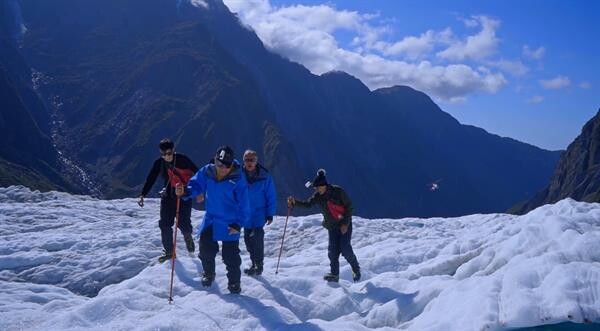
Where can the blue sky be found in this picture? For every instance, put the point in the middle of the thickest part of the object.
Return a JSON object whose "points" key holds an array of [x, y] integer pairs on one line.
{"points": [[522, 69]]}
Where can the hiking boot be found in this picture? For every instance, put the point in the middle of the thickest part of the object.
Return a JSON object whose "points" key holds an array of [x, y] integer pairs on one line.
{"points": [[356, 275], [259, 269], [251, 270], [207, 279], [234, 288], [165, 257], [189, 243], [332, 277]]}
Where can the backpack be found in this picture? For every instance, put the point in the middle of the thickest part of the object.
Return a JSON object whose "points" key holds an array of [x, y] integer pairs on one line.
{"points": [[179, 176], [335, 210]]}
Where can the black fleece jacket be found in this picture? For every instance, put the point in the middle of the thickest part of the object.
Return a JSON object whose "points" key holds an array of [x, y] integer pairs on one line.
{"points": [[338, 196]]}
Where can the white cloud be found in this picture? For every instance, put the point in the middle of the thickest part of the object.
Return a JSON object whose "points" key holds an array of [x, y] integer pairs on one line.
{"points": [[585, 85], [475, 47], [411, 47], [556, 83], [458, 100], [446, 82], [320, 17], [305, 34], [470, 22], [516, 68], [535, 99], [196, 3], [536, 54]]}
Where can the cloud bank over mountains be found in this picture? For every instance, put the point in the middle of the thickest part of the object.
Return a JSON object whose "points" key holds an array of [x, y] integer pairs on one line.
{"points": [[442, 63]]}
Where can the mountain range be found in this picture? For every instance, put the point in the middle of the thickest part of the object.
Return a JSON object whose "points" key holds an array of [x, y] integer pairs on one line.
{"points": [[96, 84]]}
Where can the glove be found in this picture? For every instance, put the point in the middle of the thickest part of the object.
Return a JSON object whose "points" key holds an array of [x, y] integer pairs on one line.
{"points": [[291, 202], [344, 228], [234, 228], [179, 190]]}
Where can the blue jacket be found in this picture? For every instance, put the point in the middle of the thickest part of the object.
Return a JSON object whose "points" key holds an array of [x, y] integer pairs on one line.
{"points": [[226, 200], [263, 199]]}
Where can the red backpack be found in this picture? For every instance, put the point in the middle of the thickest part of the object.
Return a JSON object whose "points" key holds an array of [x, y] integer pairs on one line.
{"points": [[337, 211], [182, 176]]}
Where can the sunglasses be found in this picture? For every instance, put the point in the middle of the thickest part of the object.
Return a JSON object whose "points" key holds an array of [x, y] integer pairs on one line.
{"points": [[250, 160], [220, 164], [167, 153]]}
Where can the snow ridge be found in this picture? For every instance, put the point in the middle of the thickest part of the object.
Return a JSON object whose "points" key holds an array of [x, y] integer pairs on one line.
{"points": [[75, 262]]}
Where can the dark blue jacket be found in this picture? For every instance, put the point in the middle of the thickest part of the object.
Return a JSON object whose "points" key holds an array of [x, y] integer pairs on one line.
{"points": [[226, 200], [263, 198]]}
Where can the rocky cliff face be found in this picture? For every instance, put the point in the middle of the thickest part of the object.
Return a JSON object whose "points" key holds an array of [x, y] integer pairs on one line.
{"points": [[577, 173]]}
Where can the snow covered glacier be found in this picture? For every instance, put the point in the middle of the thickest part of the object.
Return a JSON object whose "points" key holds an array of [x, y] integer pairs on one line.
{"points": [[78, 263]]}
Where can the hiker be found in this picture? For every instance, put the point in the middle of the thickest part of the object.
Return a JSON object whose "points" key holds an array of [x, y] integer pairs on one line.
{"points": [[336, 208], [223, 185], [174, 168], [263, 201]]}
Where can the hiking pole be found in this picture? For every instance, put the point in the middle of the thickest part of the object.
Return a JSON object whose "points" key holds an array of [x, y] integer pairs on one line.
{"points": [[282, 239], [174, 249]]}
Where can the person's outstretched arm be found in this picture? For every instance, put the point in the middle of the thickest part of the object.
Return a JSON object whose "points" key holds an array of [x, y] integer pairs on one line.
{"points": [[150, 180], [196, 186], [304, 203]]}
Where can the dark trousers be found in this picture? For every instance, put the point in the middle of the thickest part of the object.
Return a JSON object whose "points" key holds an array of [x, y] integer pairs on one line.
{"points": [[168, 209], [340, 244], [231, 255], [255, 243]]}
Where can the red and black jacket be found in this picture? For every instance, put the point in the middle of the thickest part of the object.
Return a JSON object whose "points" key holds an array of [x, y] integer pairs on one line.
{"points": [[180, 170]]}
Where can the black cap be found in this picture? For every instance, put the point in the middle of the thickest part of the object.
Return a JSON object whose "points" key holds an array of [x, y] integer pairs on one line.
{"points": [[320, 180], [224, 155], [166, 144]]}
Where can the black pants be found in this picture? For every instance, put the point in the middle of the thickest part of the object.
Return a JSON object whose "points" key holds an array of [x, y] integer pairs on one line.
{"points": [[231, 255], [255, 243], [168, 209], [340, 244]]}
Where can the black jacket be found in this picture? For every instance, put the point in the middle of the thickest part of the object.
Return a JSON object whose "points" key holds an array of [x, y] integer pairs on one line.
{"points": [[181, 165], [338, 196]]}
